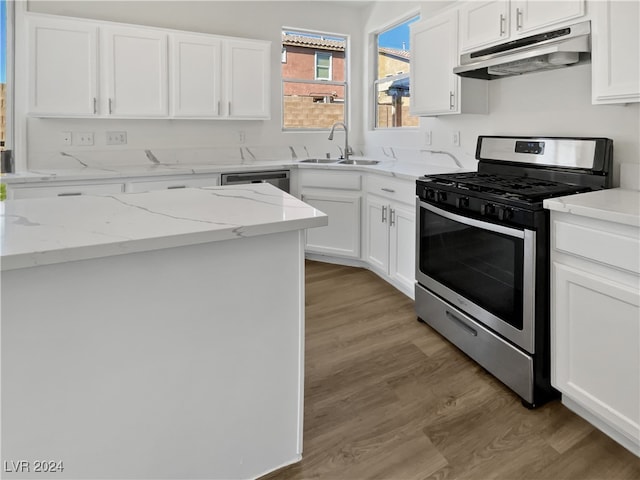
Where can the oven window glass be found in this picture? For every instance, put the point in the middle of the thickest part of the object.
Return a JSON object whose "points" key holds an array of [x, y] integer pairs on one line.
{"points": [[483, 266]]}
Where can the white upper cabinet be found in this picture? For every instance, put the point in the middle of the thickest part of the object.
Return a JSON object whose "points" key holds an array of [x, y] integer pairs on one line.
{"points": [[487, 23], [196, 75], [530, 15], [247, 72], [86, 68], [435, 89], [218, 77], [136, 76], [63, 67], [615, 56], [483, 23], [434, 46]]}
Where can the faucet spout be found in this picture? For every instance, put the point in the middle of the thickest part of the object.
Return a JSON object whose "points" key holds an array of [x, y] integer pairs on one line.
{"points": [[347, 148]]}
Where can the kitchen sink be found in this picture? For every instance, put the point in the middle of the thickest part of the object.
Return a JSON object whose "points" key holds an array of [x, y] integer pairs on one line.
{"points": [[359, 162], [319, 160]]}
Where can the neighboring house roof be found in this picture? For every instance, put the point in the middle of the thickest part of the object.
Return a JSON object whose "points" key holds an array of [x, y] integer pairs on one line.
{"points": [[395, 52], [312, 42]]}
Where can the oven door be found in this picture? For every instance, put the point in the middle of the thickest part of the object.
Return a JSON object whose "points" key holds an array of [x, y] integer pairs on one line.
{"points": [[484, 269]]}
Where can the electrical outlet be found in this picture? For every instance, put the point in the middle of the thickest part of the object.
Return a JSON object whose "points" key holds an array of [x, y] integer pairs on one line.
{"points": [[116, 138], [456, 138], [242, 136], [65, 138], [83, 138], [427, 137]]}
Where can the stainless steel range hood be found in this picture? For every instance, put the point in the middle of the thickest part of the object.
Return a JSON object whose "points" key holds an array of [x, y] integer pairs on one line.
{"points": [[554, 49]]}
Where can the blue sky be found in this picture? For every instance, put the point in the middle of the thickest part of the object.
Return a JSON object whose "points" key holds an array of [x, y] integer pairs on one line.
{"points": [[394, 38]]}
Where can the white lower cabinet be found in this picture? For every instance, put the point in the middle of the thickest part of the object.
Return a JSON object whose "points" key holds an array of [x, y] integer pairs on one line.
{"points": [[338, 194], [390, 230], [174, 183], [19, 192], [595, 323], [390, 241]]}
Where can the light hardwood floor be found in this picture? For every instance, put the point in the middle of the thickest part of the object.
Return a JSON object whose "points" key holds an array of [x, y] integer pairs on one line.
{"points": [[387, 398]]}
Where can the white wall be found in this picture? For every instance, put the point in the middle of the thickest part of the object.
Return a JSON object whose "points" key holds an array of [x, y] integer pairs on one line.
{"points": [[552, 103], [254, 19]]}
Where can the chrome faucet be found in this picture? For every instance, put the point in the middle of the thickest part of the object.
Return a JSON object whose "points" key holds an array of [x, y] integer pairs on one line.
{"points": [[347, 148]]}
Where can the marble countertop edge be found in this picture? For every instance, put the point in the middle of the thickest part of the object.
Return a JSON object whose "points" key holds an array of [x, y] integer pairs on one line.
{"points": [[616, 205], [62, 229]]}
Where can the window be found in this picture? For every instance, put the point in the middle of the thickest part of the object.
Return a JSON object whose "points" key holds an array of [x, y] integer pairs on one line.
{"points": [[314, 80], [323, 66], [391, 84]]}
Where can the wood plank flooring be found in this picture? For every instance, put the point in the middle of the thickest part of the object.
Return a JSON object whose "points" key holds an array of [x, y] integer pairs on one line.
{"points": [[387, 398]]}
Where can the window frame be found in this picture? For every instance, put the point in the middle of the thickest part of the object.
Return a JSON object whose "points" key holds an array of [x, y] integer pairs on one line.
{"points": [[344, 84], [412, 17]]}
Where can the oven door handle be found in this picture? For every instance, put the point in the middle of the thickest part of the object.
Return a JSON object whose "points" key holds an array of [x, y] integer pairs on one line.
{"points": [[512, 232]]}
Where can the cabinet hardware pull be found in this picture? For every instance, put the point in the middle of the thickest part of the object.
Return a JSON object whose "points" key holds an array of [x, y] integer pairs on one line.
{"points": [[218, 107], [171, 187], [392, 217], [95, 105], [503, 24], [518, 19], [390, 190], [384, 214], [463, 324], [229, 113], [69, 194], [451, 100], [110, 109]]}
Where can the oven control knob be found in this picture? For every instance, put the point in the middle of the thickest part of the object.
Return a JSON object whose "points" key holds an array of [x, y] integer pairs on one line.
{"points": [[487, 209], [431, 194], [505, 213], [462, 202], [442, 196]]}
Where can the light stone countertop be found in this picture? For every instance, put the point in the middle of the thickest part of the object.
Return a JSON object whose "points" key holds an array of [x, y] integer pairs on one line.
{"points": [[407, 170], [613, 205], [44, 231]]}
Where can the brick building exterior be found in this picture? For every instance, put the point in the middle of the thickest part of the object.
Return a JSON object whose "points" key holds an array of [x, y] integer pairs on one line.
{"points": [[312, 105]]}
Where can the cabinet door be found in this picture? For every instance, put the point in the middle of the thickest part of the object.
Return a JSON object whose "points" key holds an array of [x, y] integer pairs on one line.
{"points": [[615, 52], [528, 15], [63, 67], [402, 245], [196, 68], [377, 233], [65, 190], [175, 183], [434, 52], [595, 348], [483, 23], [136, 72], [342, 236], [247, 77]]}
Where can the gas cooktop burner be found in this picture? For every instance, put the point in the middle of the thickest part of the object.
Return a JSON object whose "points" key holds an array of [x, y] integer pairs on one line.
{"points": [[525, 189]]}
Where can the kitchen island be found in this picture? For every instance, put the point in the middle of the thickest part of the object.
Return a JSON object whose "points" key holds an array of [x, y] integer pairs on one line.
{"points": [[153, 335]]}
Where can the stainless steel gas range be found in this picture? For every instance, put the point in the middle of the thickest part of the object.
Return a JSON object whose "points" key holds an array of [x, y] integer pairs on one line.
{"points": [[482, 251]]}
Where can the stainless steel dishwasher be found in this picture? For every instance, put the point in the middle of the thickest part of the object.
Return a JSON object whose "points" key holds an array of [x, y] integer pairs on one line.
{"points": [[279, 178]]}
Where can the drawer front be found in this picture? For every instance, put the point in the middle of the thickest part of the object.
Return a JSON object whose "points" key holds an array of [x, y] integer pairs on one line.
{"points": [[66, 190], [333, 180], [174, 183], [392, 188], [610, 248]]}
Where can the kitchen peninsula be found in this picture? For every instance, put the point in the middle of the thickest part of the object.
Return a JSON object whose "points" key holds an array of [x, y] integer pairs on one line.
{"points": [[154, 335]]}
